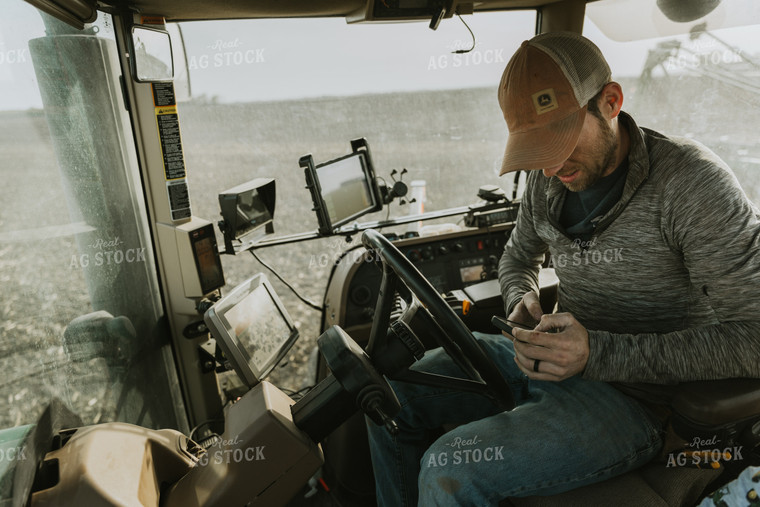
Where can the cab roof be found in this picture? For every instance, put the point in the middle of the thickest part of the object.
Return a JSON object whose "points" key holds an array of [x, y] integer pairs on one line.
{"points": [[79, 12], [185, 10]]}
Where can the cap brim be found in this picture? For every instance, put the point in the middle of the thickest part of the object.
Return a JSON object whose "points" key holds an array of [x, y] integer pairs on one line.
{"points": [[543, 147]]}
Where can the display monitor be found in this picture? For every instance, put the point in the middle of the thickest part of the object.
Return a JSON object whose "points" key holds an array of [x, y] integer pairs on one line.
{"points": [[343, 189], [207, 261], [253, 328], [247, 209], [346, 190]]}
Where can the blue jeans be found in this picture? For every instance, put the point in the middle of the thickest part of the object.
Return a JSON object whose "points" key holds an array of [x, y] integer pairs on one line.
{"points": [[561, 435]]}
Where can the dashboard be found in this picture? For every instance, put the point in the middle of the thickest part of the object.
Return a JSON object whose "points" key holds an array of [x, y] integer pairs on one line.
{"points": [[449, 261]]}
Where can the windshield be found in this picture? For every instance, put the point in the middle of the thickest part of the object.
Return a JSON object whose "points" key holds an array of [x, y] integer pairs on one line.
{"points": [[266, 92]]}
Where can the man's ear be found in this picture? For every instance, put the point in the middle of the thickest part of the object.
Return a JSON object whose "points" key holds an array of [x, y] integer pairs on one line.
{"points": [[611, 101]]}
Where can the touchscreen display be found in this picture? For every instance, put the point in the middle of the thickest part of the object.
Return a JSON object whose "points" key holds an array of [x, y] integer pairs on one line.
{"points": [[345, 189], [259, 327]]}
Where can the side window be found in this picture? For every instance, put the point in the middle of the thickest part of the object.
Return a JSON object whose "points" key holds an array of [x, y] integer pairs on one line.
{"points": [[702, 84], [80, 315]]}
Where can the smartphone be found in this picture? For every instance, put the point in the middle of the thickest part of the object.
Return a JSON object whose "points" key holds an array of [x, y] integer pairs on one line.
{"points": [[507, 325]]}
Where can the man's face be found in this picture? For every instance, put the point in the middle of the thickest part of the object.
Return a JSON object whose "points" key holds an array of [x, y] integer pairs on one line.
{"points": [[593, 157]]}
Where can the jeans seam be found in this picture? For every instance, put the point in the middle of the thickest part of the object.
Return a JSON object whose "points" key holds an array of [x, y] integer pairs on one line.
{"points": [[398, 455]]}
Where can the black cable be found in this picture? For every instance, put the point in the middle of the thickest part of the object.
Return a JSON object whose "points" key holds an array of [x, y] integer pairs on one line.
{"points": [[462, 51], [275, 273], [204, 423], [385, 183], [297, 395]]}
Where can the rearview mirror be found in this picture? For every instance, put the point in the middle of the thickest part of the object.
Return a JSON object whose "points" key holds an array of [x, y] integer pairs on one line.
{"points": [[151, 53]]}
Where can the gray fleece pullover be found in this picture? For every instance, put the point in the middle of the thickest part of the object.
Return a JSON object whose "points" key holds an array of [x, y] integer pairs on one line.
{"points": [[669, 285]]}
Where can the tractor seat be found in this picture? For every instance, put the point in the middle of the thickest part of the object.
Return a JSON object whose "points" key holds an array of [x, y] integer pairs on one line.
{"points": [[718, 402], [723, 413]]}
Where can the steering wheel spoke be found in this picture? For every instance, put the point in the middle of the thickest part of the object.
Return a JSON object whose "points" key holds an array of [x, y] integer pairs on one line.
{"points": [[424, 323], [435, 380], [381, 320]]}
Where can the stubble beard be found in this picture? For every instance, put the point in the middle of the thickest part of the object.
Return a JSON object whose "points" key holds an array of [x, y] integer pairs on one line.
{"points": [[604, 151]]}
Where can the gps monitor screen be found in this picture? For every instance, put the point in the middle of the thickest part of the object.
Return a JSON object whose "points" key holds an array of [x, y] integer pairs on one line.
{"points": [[253, 328], [346, 189]]}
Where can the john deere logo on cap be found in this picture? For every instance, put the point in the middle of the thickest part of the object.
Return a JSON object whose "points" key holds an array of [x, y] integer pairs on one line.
{"points": [[545, 101]]}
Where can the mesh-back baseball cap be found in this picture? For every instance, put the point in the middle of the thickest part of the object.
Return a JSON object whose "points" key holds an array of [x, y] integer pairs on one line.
{"points": [[543, 94]]}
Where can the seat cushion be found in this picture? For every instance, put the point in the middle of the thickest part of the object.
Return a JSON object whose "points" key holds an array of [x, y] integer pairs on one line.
{"points": [[654, 485]]}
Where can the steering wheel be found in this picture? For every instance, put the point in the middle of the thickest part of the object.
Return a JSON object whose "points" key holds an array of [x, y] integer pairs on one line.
{"points": [[454, 336]]}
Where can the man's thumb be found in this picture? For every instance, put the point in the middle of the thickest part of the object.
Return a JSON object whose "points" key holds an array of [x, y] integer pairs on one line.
{"points": [[533, 305]]}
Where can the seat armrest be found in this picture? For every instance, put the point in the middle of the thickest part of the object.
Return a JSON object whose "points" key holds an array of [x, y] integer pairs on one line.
{"points": [[717, 402]]}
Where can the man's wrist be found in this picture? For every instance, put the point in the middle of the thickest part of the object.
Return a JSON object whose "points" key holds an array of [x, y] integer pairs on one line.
{"points": [[510, 306], [588, 370]]}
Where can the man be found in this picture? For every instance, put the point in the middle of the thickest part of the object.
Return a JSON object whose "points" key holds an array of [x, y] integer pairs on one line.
{"points": [[656, 249]]}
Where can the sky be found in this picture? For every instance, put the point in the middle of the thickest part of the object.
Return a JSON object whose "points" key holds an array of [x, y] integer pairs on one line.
{"points": [[242, 61]]}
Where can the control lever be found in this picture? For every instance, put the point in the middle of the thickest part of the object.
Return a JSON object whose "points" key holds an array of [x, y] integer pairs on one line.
{"points": [[370, 400], [389, 423], [458, 302]]}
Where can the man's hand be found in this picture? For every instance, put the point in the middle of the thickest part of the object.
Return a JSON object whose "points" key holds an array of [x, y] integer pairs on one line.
{"points": [[528, 310], [555, 350]]}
